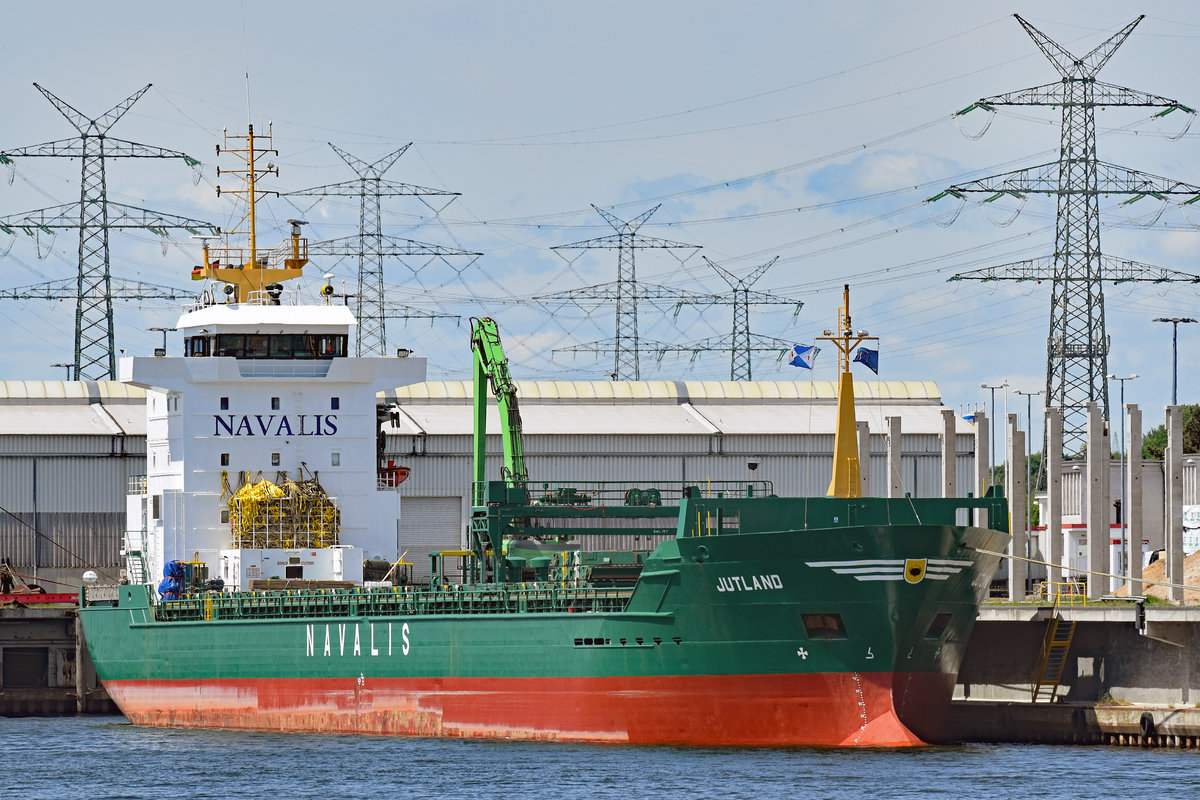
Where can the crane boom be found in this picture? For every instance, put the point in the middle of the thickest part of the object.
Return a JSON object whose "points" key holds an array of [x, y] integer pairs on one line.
{"points": [[492, 365]]}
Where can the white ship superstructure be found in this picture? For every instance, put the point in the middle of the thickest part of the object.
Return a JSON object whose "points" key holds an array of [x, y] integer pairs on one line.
{"points": [[265, 391]]}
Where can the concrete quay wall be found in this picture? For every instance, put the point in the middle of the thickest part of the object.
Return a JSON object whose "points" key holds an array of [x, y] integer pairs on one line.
{"points": [[1108, 659], [45, 668], [1119, 686]]}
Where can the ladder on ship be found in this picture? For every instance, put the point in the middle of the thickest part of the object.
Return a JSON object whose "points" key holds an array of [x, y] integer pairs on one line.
{"points": [[1052, 658], [135, 559], [135, 565]]}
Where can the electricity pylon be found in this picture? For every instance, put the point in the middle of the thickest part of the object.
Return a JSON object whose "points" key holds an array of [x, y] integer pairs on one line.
{"points": [[625, 347], [119, 289], [742, 342], [370, 245], [1077, 346], [95, 215]]}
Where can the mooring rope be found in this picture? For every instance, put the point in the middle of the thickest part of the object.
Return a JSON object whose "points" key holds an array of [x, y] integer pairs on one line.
{"points": [[1065, 570]]}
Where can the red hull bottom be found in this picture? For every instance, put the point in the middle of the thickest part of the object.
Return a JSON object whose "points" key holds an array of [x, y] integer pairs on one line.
{"points": [[850, 709]]}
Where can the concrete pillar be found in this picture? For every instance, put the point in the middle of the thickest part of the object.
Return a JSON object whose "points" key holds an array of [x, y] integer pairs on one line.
{"points": [[894, 458], [983, 458], [1099, 533], [1054, 507], [1131, 512], [949, 454], [1014, 479], [1174, 533], [864, 457], [983, 464]]}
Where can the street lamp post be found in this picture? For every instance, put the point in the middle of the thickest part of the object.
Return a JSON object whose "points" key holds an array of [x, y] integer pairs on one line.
{"points": [[1124, 537], [1174, 352], [68, 368], [992, 413]]}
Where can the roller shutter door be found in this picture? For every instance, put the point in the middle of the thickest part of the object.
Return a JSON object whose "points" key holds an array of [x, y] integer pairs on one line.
{"points": [[429, 524]]}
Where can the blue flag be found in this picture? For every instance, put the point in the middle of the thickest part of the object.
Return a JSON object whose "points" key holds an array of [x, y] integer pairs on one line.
{"points": [[969, 418], [804, 355], [869, 357]]}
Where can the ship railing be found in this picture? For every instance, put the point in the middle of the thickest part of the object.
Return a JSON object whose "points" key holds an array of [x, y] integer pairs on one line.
{"points": [[212, 295], [588, 494], [137, 484], [279, 257], [399, 601]]}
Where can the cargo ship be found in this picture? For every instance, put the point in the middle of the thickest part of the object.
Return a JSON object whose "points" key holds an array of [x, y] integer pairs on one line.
{"points": [[756, 620]]}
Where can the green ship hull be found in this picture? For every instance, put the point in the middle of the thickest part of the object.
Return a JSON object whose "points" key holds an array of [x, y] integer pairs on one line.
{"points": [[765, 621]]}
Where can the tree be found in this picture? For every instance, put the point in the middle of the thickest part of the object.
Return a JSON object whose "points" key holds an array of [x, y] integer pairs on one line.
{"points": [[1154, 442]]}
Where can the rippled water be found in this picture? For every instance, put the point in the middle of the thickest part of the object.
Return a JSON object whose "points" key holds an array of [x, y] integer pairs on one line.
{"points": [[105, 757]]}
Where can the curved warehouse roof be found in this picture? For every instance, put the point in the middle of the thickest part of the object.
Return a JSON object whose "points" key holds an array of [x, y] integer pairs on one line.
{"points": [[671, 407]]}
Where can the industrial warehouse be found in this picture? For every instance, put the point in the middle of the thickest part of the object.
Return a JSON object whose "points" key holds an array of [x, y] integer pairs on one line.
{"points": [[71, 452]]}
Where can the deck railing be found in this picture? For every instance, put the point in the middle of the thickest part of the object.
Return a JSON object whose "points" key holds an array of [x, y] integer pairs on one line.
{"points": [[395, 602]]}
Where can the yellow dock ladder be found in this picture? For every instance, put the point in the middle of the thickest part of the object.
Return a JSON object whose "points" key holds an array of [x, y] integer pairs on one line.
{"points": [[1053, 656]]}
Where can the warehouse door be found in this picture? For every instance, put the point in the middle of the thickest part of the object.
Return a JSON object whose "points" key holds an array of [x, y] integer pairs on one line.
{"points": [[427, 525]]}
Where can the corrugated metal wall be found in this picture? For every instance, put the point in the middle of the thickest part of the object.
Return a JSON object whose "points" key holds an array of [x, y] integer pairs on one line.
{"points": [[795, 464], [74, 541], [78, 497]]}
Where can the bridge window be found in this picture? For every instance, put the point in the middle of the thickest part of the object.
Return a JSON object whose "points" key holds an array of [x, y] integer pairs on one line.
{"points": [[257, 346], [267, 346]]}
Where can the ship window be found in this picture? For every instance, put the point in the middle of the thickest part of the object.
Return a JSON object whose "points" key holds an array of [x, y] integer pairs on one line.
{"points": [[335, 403], [824, 626], [274, 459], [200, 345], [281, 345], [290, 571], [257, 346], [230, 344], [335, 459], [224, 516], [224, 459], [156, 507], [274, 403], [224, 403], [938, 626]]}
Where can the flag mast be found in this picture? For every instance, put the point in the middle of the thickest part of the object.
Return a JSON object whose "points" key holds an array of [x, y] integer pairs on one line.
{"points": [[846, 479]]}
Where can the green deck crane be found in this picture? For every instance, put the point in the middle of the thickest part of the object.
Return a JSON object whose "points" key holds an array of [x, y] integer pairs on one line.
{"points": [[491, 365]]}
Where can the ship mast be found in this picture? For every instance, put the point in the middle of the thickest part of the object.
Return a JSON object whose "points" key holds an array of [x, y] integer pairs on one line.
{"points": [[248, 272], [846, 480]]}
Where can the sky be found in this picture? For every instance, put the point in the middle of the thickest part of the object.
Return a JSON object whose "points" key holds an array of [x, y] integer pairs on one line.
{"points": [[809, 132]]}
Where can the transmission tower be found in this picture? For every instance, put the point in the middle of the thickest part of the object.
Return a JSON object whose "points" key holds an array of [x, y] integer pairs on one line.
{"points": [[1077, 345], [625, 346], [741, 343], [94, 216], [370, 245], [119, 289]]}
